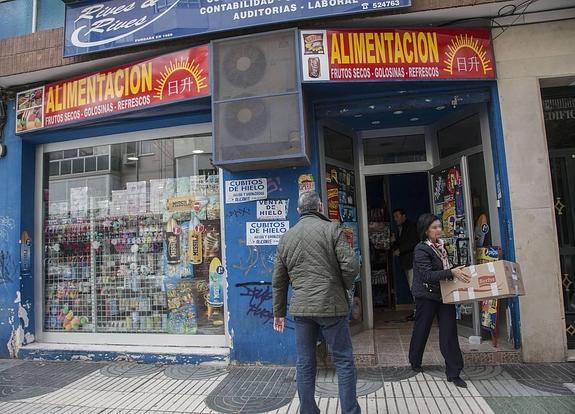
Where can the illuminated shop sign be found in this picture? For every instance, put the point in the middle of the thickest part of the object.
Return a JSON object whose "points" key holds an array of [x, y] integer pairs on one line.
{"points": [[94, 26], [396, 54], [177, 76]]}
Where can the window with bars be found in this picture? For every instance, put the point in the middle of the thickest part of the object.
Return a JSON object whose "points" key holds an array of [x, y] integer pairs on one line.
{"points": [[136, 250]]}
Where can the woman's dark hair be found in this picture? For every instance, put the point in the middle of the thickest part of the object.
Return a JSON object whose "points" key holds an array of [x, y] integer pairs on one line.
{"points": [[424, 223]]}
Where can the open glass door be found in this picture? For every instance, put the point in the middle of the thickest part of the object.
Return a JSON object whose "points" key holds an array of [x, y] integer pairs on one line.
{"points": [[450, 200], [340, 195]]}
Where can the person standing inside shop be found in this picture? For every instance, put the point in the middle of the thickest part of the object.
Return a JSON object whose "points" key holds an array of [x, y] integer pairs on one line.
{"points": [[405, 241], [431, 265], [316, 259]]}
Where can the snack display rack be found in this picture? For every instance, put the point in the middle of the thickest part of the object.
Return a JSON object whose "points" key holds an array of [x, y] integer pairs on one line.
{"points": [[115, 273]]}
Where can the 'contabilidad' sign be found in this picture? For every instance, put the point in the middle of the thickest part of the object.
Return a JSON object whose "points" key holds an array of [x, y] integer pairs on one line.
{"points": [[164, 79], [93, 26], [394, 54]]}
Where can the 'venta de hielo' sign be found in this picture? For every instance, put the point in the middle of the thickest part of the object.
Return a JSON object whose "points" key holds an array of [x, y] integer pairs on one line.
{"points": [[265, 232], [92, 26], [161, 80], [241, 191], [272, 209]]}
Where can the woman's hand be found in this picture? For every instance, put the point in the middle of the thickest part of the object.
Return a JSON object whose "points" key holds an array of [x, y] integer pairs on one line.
{"points": [[458, 273]]}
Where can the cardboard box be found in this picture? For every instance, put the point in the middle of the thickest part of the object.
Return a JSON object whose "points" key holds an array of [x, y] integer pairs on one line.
{"points": [[494, 280]]}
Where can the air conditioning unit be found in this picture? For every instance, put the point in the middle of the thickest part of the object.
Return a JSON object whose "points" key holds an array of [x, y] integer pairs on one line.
{"points": [[130, 159], [256, 65], [257, 102]]}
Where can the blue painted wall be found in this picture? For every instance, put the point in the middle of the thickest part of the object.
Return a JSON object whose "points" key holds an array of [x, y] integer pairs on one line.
{"points": [[16, 290], [250, 307]]}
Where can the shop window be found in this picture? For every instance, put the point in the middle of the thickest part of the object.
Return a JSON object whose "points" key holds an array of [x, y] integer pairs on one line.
{"points": [[84, 152], [56, 155], [90, 164], [54, 168], [71, 153], [66, 167], [338, 146], [137, 250], [459, 136], [78, 166], [147, 148], [15, 18], [103, 163], [51, 14], [394, 149]]}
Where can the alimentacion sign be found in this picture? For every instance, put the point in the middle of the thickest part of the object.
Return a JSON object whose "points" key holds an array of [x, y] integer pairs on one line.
{"points": [[395, 54], [93, 26], [164, 79]]}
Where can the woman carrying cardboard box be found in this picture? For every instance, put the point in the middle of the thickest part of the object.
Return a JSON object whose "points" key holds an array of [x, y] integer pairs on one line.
{"points": [[431, 264]]}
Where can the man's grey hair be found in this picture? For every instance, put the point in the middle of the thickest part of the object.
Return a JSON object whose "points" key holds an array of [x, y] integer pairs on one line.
{"points": [[308, 201]]}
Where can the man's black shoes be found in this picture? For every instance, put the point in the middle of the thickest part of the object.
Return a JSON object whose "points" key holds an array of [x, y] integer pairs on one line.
{"points": [[458, 382]]}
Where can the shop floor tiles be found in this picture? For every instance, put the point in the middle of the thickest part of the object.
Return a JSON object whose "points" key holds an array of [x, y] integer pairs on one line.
{"points": [[128, 388], [388, 344]]}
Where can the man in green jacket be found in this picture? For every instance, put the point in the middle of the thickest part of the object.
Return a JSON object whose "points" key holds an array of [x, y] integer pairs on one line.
{"points": [[316, 259]]}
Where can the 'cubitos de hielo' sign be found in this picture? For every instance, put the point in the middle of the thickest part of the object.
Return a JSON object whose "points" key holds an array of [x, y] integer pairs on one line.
{"points": [[92, 26]]}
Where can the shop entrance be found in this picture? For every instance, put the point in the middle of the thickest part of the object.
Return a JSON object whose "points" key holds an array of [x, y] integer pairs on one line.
{"points": [[415, 153]]}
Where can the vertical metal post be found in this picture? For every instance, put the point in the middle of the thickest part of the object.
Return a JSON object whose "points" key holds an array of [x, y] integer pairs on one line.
{"points": [[470, 234], [34, 16]]}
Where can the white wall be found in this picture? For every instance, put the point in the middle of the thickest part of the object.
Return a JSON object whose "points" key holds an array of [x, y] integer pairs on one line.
{"points": [[524, 55]]}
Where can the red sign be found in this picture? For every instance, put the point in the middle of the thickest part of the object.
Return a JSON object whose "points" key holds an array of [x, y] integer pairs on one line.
{"points": [[173, 77], [396, 54]]}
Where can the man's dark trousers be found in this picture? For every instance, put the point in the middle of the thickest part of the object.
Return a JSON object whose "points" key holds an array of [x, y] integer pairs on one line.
{"points": [[337, 335]]}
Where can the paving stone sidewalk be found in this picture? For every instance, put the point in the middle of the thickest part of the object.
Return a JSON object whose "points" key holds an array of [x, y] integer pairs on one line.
{"points": [[105, 388]]}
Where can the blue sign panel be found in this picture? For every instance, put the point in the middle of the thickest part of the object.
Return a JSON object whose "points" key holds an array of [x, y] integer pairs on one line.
{"points": [[94, 26]]}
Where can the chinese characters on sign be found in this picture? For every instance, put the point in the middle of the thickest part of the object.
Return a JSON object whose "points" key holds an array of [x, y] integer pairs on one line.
{"points": [[173, 77], [92, 26], [394, 54]]}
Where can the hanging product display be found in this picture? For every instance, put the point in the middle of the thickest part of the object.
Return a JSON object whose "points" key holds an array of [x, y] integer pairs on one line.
{"points": [[449, 206], [145, 259]]}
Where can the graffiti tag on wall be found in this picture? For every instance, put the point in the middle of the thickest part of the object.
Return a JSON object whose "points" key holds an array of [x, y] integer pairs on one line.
{"points": [[260, 297], [257, 258]]}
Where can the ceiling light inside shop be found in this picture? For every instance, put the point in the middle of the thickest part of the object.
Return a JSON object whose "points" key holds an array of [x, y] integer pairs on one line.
{"points": [[414, 119], [428, 100], [358, 115], [375, 122], [132, 158], [397, 112], [440, 108], [371, 106], [402, 92], [198, 151]]}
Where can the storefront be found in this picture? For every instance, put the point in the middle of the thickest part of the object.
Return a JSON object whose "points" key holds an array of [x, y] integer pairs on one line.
{"points": [[129, 247], [161, 187], [418, 146]]}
